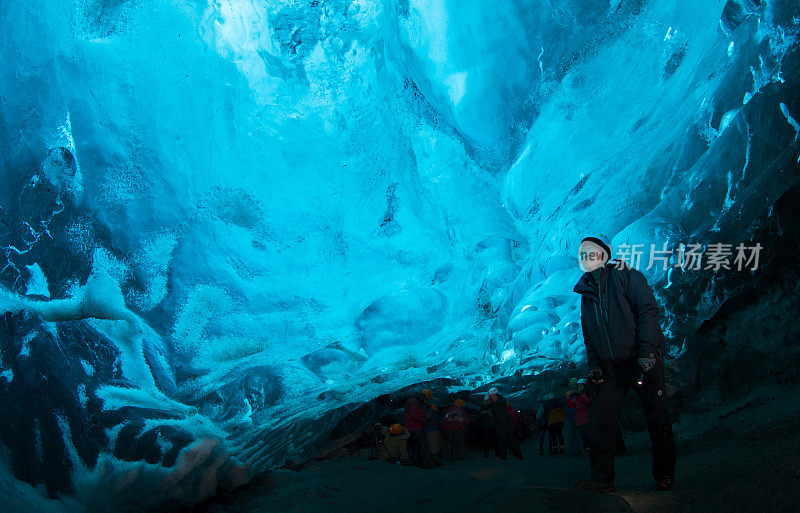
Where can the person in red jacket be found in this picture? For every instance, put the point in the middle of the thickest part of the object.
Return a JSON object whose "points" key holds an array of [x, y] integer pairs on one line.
{"points": [[516, 429], [415, 422], [581, 402]]}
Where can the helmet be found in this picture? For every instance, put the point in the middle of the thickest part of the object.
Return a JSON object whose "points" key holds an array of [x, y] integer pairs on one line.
{"points": [[493, 391], [582, 381], [427, 393], [460, 402], [395, 429]]}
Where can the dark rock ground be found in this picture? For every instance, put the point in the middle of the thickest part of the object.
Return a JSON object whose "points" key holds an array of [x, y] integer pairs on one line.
{"points": [[744, 457]]}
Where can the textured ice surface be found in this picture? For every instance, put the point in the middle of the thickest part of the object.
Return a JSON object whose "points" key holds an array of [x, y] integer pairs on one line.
{"points": [[224, 221]]}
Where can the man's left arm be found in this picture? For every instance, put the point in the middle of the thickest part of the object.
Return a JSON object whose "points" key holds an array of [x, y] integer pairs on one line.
{"points": [[645, 311]]}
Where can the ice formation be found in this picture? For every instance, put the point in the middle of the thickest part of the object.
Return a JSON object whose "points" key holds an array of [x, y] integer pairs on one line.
{"points": [[226, 224]]}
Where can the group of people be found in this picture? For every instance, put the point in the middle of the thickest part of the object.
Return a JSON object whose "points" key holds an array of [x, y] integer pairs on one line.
{"points": [[431, 435], [434, 434], [566, 422], [571, 412], [623, 339]]}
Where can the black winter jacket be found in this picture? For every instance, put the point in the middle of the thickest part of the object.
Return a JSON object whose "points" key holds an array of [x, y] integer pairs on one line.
{"points": [[499, 411], [619, 317]]}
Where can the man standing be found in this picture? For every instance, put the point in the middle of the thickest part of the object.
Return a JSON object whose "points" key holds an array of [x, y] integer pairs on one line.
{"points": [[505, 439], [619, 318]]}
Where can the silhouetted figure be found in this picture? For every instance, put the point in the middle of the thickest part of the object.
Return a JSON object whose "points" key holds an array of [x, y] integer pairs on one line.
{"points": [[571, 436], [392, 442], [496, 404], [433, 433], [454, 428], [555, 426], [487, 432], [581, 402], [541, 426], [415, 422]]}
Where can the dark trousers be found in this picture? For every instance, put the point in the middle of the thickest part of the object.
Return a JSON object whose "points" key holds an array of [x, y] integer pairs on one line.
{"points": [[556, 430], [542, 434], [584, 429], [603, 424], [455, 444], [487, 438], [506, 439], [418, 447]]}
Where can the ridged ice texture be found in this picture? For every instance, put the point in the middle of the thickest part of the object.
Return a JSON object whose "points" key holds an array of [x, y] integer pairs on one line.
{"points": [[224, 221]]}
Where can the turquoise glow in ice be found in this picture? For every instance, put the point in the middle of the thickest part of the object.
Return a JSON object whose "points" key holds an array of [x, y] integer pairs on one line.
{"points": [[289, 207]]}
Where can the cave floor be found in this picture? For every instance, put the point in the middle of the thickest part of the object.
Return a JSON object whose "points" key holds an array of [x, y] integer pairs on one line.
{"points": [[743, 460]]}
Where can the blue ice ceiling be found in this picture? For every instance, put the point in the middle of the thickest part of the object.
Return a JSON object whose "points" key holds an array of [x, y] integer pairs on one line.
{"points": [[224, 220]]}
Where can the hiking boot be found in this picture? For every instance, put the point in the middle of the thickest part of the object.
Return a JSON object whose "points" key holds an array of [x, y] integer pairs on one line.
{"points": [[594, 486], [665, 484]]}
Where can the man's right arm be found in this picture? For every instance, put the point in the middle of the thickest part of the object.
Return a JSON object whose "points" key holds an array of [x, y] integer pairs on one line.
{"points": [[592, 358]]}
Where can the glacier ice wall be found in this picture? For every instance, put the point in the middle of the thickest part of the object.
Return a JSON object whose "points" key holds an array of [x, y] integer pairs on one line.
{"points": [[225, 221]]}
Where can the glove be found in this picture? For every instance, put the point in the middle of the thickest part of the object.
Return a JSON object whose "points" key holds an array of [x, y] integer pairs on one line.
{"points": [[596, 375], [647, 362]]}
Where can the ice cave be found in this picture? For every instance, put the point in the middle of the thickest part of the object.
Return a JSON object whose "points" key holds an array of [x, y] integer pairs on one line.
{"points": [[239, 235]]}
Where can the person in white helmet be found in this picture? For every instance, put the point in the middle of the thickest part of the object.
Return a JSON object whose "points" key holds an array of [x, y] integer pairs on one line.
{"points": [[623, 338]]}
